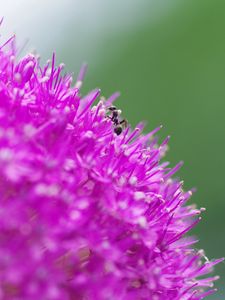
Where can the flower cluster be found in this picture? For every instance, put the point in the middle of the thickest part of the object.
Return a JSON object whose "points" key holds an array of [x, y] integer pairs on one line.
{"points": [[85, 213]]}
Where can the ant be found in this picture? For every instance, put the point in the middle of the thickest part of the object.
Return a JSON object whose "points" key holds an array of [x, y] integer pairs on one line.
{"points": [[114, 117]]}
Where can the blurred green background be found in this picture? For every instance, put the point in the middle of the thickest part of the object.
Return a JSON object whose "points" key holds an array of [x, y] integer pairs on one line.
{"points": [[167, 58]]}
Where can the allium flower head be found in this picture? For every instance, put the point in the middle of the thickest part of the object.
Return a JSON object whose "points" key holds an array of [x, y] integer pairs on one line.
{"points": [[85, 213]]}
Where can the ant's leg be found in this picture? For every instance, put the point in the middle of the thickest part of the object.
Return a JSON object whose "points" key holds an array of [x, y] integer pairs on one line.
{"points": [[124, 121]]}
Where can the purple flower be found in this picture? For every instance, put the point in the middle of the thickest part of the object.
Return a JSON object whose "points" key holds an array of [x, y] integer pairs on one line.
{"points": [[86, 213]]}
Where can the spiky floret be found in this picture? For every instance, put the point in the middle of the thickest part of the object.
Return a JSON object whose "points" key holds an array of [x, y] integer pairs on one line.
{"points": [[84, 213]]}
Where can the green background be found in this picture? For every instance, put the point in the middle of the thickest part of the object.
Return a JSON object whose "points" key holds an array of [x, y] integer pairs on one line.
{"points": [[167, 58]]}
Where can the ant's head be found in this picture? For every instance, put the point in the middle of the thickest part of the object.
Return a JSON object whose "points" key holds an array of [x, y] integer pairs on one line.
{"points": [[112, 108]]}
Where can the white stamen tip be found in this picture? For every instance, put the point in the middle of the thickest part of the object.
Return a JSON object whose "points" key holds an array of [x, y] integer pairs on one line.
{"points": [[133, 180], [139, 195], [142, 221], [78, 84]]}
